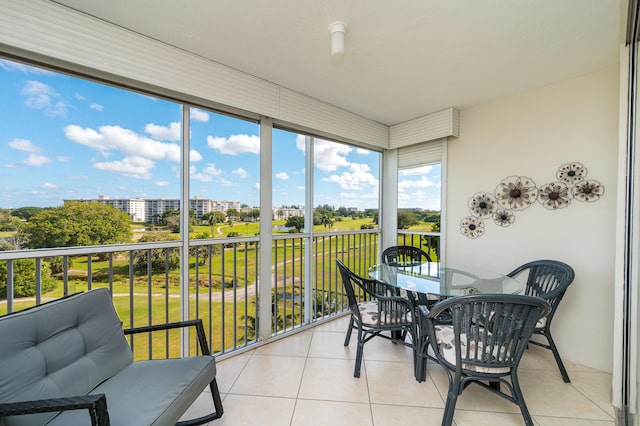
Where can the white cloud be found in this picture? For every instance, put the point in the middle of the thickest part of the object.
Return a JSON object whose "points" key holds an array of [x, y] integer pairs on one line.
{"points": [[134, 166], [300, 142], [43, 97], [63, 158], [207, 174], [24, 145], [423, 182], [355, 179], [194, 156], [36, 160], [225, 182], [282, 176], [257, 186], [96, 107], [235, 144], [170, 133], [201, 176], [212, 170], [115, 138], [423, 170], [328, 156], [240, 172], [363, 151], [48, 185], [80, 97], [301, 188], [199, 115], [162, 183]]}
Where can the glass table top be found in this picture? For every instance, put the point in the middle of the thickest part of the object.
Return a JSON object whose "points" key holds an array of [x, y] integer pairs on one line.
{"points": [[445, 280]]}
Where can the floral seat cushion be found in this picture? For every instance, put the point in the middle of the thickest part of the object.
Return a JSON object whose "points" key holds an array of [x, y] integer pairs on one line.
{"points": [[371, 315], [446, 345]]}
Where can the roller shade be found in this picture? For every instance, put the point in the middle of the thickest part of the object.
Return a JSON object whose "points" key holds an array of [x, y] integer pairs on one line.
{"points": [[420, 154]]}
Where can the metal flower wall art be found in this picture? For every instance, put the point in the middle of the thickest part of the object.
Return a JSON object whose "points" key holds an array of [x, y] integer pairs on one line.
{"points": [[517, 193], [472, 227], [504, 217], [554, 195], [589, 190], [482, 204]]}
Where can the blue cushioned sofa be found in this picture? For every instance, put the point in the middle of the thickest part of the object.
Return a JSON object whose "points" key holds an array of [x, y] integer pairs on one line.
{"points": [[68, 363]]}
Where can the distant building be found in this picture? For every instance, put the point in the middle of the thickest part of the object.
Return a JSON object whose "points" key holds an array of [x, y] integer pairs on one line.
{"points": [[155, 208], [134, 207], [150, 210], [285, 213]]}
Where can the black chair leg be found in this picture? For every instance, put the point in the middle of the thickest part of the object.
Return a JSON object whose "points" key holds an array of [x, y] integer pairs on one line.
{"points": [[520, 399], [348, 336], [420, 356], [356, 371], [556, 355], [450, 407]]}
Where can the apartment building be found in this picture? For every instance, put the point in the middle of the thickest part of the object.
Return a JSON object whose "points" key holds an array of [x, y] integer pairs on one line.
{"points": [[150, 210]]}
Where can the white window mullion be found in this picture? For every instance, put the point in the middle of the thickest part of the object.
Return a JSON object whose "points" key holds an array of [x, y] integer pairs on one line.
{"points": [[264, 293]]}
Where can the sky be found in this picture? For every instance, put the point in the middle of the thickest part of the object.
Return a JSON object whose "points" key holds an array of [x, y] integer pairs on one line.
{"points": [[65, 138]]}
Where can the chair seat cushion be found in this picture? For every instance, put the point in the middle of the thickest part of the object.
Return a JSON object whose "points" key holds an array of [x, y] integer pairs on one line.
{"points": [[446, 345], [155, 392], [371, 315]]}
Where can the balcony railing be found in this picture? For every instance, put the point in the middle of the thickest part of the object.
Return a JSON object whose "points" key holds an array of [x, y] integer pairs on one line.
{"points": [[223, 283]]}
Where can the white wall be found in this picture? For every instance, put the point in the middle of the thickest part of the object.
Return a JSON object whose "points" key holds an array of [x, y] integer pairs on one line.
{"points": [[531, 134]]}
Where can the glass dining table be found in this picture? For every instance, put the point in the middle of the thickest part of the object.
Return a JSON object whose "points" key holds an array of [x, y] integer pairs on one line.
{"points": [[439, 279], [427, 283]]}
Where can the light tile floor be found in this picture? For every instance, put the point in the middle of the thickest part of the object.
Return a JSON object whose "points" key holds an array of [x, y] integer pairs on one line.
{"points": [[307, 379]]}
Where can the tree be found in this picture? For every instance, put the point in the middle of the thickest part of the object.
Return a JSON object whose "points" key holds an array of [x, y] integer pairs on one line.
{"points": [[296, 222], [326, 220], [24, 278], [233, 214], [254, 214], [8, 222], [343, 211], [77, 224], [406, 219], [158, 256], [25, 213], [213, 218]]}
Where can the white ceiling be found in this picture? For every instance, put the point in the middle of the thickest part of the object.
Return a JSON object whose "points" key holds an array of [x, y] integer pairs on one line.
{"points": [[403, 58]]}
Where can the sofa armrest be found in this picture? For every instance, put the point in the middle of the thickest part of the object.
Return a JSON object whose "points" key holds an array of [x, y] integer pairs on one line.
{"points": [[197, 323], [96, 404]]}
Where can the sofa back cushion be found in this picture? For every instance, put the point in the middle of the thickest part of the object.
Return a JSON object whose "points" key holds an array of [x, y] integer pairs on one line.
{"points": [[62, 348]]}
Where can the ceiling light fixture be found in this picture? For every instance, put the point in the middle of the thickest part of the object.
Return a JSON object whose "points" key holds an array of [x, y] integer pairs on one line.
{"points": [[337, 30]]}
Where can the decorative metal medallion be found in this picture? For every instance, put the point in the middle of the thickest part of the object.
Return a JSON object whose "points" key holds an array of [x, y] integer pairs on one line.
{"points": [[516, 192], [482, 204], [589, 190], [503, 217], [472, 227], [555, 195], [571, 173]]}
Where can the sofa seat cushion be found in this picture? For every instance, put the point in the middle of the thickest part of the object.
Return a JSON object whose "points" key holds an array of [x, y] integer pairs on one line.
{"points": [[155, 392], [61, 348]]}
